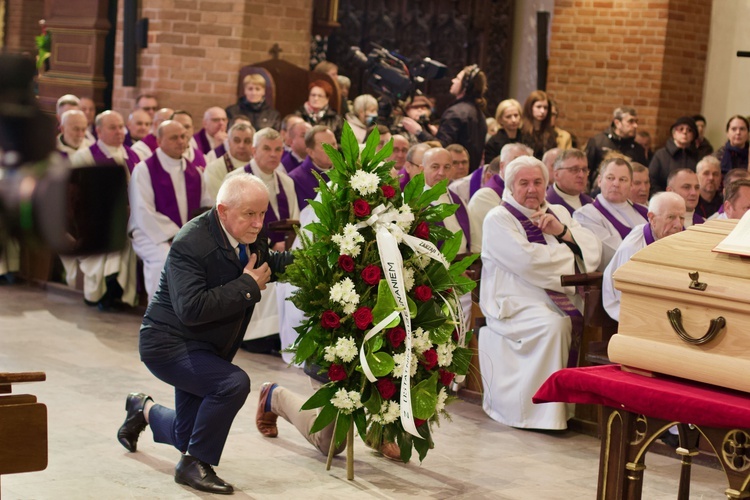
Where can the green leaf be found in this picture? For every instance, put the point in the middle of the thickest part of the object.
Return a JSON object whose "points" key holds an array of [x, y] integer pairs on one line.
{"points": [[412, 307], [320, 398], [343, 422], [461, 360], [381, 363], [458, 268], [374, 402], [384, 153], [442, 334], [433, 194], [462, 284], [377, 342], [360, 421], [349, 146], [318, 229], [326, 416], [452, 245], [429, 315], [404, 440], [423, 445], [437, 213], [336, 159], [414, 188], [370, 146], [385, 305], [424, 397], [305, 348]]}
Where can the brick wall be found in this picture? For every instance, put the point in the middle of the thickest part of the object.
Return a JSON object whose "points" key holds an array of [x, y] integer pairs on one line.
{"points": [[647, 54], [196, 48], [22, 24]]}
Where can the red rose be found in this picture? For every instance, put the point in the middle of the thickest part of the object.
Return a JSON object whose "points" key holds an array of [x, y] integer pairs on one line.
{"points": [[329, 319], [362, 317], [396, 336], [422, 231], [361, 208], [430, 359], [336, 373], [346, 263], [446, 377], [388, 191], [371, 274], [418, 422], [423, 293], [386, 388]]}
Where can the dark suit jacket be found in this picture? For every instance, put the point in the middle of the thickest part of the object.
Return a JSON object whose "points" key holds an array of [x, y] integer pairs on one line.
{"points": [[204, 300]]}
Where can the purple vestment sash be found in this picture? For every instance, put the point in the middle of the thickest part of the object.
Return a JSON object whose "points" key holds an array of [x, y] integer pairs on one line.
{"points": [[561, 300], [403, 178], [698, 218], [220, 150], [619, 226], [201, 139], [128, 140], [554, 198], [100, 158], [289, 161], [199, 161], [647, 234], [282, 202], [150, 141], [228, 162], [165, 199], [475, 182], [462, 216], [497, 184], [305, 182]]}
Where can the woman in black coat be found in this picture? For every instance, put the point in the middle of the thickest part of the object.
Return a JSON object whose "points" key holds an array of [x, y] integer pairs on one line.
{"points": [[254, 105], [734, 153]]}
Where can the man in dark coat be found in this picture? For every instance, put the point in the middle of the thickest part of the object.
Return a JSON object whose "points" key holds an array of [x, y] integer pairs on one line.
{"points": [[677, 153], [217, 265], [620, 138]]}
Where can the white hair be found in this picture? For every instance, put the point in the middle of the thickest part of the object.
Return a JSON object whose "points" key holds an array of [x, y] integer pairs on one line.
{"points": [[511, 170], [236, 186], [708, 161], [362, 102], [513, 149], [267, 133], [660, 202], [67, 99], [71, 112]]}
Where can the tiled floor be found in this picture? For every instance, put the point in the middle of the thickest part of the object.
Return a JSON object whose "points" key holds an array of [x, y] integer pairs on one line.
{"points": [[91, 361]]}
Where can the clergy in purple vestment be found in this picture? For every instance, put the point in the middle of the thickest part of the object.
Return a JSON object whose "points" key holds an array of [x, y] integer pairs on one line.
{"points": [[73, 136], [400, 149], [684, 182], [139, 125], [214, 130], [296, 152], [317, 160], [413, 163], [569, 172], [148, 144], [193, 155]]}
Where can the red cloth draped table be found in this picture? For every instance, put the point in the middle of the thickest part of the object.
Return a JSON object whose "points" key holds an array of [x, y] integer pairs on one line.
{"points": [[637, 409]]}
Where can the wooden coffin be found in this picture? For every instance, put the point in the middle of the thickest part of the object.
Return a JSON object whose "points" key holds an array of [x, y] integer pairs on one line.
{"points": [[714, 346]]}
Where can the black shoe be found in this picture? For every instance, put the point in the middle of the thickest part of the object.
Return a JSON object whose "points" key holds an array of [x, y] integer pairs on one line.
{"points": [[135, 422], [671, 440], [201, 476]]}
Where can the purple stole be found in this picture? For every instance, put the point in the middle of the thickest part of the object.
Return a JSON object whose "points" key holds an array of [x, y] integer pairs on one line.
{"points": [[199, 161], [497, 184], [202, 140], [150, 141], [403, 178], [289, 161], [619, 226], [128, 140], [220, 150], [475, 182], [647, 234], [698, 218], [100, 158], [282, 201], [561, 300], [165, 199], [556, 199], [462, 216], [305, 182]]}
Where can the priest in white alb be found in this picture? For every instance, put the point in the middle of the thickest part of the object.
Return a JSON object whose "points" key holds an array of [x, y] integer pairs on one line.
{"points": [[533, 322]]}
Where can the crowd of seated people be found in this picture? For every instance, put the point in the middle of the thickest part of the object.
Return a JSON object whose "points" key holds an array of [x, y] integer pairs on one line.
{"points": [[531, 220]]}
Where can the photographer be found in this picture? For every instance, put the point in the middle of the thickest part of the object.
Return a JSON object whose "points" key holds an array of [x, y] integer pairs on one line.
{"points": [[463, 122]]}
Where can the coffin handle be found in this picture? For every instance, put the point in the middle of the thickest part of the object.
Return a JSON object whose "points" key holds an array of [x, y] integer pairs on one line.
{"points": [[675, 319]]}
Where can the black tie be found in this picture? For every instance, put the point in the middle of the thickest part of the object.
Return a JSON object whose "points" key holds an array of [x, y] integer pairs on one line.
{"points": [[243, 254]]}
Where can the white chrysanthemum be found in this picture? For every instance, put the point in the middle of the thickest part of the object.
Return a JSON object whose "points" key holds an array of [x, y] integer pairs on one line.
{"points": [[422, 260], [346, 349], [441, 398], [408, 278], [350, 308], [342, 401], [421, 341], [330, 354], [349, 240], [400, 359], [364, 182], [445, 353], [407, 218], [389, 413], [343, 292]]}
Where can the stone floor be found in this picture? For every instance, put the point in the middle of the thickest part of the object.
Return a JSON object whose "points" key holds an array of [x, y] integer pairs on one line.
{"points": [[91, 361]]}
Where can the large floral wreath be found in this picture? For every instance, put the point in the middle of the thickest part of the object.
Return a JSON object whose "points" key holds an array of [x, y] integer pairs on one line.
{"points": [[383, 321]]}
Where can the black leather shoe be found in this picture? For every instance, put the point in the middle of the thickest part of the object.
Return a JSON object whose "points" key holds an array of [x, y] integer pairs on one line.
{"points": [[135, 422], [201, 476]]}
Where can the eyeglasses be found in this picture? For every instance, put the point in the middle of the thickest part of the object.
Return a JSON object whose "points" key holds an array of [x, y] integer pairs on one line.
{"points": [[575, 170], [149, 108]]}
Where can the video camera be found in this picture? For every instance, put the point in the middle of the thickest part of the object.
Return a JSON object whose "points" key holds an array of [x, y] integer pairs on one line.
{"points": [[75, 211], [394, 76]]}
